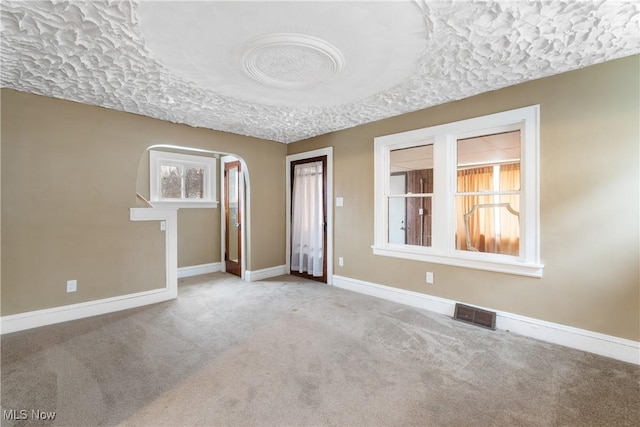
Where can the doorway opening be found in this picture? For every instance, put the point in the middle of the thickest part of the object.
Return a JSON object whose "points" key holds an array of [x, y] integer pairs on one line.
{"points": [[201, 241], [234, 210], [233, 217], [310, 215]]}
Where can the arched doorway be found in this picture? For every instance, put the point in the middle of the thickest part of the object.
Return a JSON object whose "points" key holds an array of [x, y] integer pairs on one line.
{"points": [[202, 227]]}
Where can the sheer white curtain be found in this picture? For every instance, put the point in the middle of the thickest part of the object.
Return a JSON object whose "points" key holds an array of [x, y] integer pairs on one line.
{"points": [[307, 237]]}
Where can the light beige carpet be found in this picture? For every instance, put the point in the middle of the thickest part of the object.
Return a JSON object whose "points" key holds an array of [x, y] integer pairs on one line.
{"points": [[290, 352]]}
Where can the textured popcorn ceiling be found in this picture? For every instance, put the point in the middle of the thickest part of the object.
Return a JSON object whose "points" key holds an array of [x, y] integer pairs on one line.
{"points": [[286, 71]]}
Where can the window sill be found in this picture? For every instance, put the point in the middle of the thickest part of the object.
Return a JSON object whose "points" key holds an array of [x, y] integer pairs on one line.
{"points": [[517, 268], [183, 204]]}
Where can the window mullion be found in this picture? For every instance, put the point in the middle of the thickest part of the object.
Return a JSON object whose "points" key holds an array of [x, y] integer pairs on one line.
{"points": [[441, 188]]}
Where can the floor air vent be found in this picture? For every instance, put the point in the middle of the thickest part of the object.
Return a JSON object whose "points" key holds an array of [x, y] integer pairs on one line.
{"points": [[475, 316]]}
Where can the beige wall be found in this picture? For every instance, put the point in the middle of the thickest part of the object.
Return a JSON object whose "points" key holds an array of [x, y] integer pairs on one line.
{"points": [[589, 203], [69, 174], [198, 229], [198, 236]]}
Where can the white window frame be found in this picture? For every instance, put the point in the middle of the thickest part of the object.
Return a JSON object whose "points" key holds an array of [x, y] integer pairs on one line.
{"points": [[444, 139], [157, 159]]}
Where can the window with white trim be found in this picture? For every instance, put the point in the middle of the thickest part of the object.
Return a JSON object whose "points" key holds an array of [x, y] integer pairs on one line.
{"points": [[182, 180], [462, 193]]}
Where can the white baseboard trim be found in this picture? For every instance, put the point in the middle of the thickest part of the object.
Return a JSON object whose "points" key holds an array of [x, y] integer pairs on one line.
{"points": [[50, 316], [197, 270], [414, 299], [265, 273], [580, 339]]}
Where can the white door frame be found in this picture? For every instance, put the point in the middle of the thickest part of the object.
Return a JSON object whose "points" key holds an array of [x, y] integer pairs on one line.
{"points": [[302, 156], [243, 210]]}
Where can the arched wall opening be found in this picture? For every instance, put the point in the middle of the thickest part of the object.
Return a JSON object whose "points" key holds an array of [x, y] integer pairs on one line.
{"points": [[200, 230]]}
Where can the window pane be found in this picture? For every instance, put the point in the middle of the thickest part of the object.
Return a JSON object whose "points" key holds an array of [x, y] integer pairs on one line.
{"points": [[171, 182], [397, 220], [232, 204], [416, 165], [510, 177], [410, 220], [233, 186], [475, 179], [478, 155], [194, 183], [488, 224]]}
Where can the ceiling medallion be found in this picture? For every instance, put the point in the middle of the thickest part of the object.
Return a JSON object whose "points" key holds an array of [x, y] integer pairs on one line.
{"points": [[292, 61]]}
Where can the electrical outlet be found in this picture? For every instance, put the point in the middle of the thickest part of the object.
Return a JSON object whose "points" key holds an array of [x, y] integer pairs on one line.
{"points": [[341, 261], [72, 285], [429, 277]]}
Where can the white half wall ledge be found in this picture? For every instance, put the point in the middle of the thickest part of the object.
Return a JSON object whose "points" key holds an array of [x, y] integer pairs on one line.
{"points": [[197, 270], [265, 273], [580, 339]]}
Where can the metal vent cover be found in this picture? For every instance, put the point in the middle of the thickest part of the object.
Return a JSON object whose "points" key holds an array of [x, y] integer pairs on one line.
{"points": [[475, 316]]}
